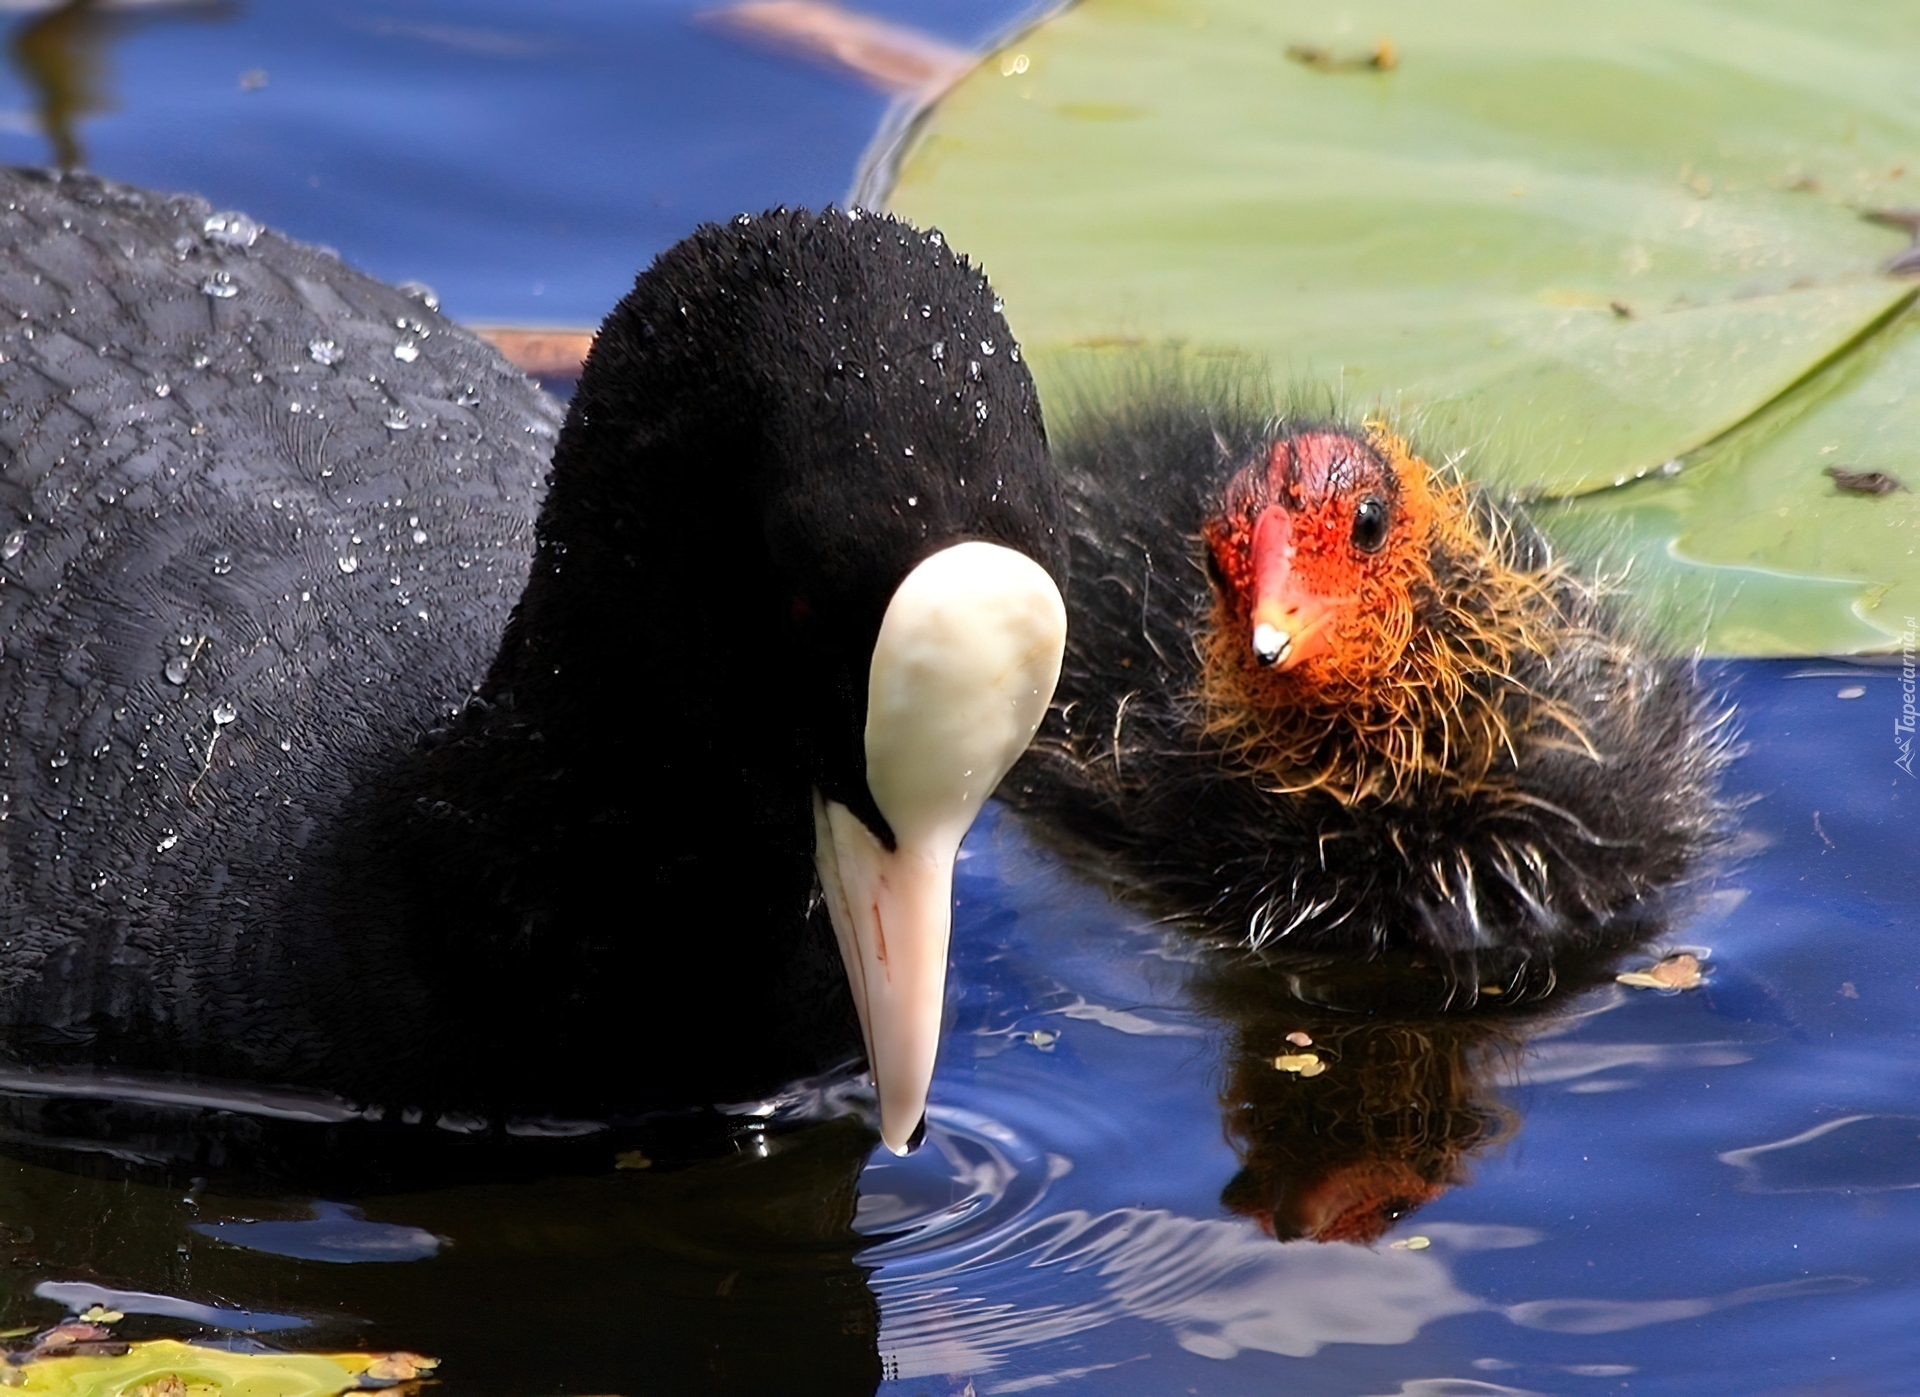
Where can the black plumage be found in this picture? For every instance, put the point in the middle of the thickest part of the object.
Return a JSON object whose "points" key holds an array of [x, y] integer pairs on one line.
{"points": [[1594, 796], [281, 804]]}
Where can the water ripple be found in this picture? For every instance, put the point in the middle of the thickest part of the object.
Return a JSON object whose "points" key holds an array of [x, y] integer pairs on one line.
{"points": [[1220, 1286], [972, 1180]]}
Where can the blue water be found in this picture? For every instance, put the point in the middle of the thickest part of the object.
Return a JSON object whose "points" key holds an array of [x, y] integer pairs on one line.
{"points": [[523, 160], [1635, 1233], [1715, 1191]]}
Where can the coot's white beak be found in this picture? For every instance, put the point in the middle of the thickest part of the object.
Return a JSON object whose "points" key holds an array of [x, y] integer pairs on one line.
{"points": [[968, 655]]}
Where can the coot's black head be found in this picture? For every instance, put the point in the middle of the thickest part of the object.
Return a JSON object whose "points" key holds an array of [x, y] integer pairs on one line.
{"points": [[790, 417], [789, 412]]}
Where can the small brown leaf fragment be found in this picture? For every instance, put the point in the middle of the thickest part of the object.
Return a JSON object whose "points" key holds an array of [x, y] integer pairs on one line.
{"points": [[71, 1332], [400, 1366], [1621, 309], [1679, 971], [172, 1385], [1384, 59], [1852, 482], [632, 1159], [71, 1339]]}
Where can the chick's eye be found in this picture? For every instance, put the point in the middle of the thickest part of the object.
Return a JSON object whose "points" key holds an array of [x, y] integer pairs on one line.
{"points": [[1370, 524]]}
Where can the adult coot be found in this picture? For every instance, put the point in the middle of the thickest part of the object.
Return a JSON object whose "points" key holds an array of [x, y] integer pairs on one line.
{"points": [[1319, 692], [345, 748]]}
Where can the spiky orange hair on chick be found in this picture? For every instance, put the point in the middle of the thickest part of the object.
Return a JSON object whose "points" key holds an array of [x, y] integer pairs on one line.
{"points": [[1407, 677]]}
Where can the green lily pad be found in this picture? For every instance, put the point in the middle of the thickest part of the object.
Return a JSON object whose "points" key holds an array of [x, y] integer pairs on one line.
{"points": [[1757, 518], [1582, 242]]}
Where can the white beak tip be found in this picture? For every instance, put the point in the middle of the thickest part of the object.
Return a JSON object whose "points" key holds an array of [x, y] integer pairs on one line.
{"points": [[1270, 644], [915, 1138]]}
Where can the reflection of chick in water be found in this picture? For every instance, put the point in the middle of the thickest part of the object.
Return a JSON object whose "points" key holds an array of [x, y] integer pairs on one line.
{"points": [[1354, 1096]]}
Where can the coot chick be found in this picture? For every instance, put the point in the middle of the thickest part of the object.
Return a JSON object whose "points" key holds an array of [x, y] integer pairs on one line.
{"points": [[1321, 693], [347, 750]]}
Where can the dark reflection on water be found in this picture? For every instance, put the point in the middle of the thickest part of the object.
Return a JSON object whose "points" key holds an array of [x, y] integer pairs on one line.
{"points": [[1704, 1192], [700, 1279]]}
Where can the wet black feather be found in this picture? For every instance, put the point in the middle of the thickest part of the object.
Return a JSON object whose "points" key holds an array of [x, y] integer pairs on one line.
{"points": [[279, 804]]}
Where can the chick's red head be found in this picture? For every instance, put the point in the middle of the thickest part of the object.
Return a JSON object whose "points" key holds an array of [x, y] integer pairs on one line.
{"points": [[1319, 552]]}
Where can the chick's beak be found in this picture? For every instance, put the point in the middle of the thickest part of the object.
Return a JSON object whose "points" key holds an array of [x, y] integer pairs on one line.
{"points": [[967, 658], [1288, 619]]}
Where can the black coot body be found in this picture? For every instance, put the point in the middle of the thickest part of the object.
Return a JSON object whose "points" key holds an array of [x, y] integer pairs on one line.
{"points": [[280, 803], [1596, 801]]}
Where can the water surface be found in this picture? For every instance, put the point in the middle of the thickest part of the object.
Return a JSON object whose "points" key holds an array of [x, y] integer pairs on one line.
{"points": [[1716, 1191]]}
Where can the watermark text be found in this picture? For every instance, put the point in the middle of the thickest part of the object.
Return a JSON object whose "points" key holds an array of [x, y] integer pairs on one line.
{"points": [[1903, 724]]}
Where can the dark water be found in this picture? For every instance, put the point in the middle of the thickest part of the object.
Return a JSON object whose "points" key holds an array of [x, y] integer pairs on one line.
{"points": [[1716, 1191]]}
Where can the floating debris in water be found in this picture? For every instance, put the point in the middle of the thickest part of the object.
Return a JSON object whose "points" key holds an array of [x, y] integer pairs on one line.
{"points": [[1300, 1039], [1305, 1064], [400, 1366], [81, 1358], [1410, 1244], [74, 1338], [1679, 971]]}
